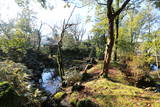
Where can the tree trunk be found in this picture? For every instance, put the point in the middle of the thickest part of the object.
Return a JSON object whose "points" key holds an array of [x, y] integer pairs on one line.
{"points": [[117, 32], [39, 41], [117, 35], [109, 47], [111, 14], [60, 56], [156, 55], [60, 61]]}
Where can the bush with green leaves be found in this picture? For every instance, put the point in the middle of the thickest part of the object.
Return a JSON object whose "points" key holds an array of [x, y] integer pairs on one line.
{"points": [[85, 48], [72, 77], [99, 41], [16, 46], [17, 76], [137, 71], [69, 42]]}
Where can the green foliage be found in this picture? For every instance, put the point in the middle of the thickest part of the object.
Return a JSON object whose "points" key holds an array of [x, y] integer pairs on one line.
{"points": [[125, 48], [109, 94], [150, 47], [7, 28], [15, 47], [85, 45], [72, 77], [58, 96], [82, 51], [69, 42], [101, 26], [46, 50], [86, 103], [19, 41], [73, 98], [138, 61], [4, 88], [137, 71], [8, 97], [99, 42], [129, 33], [17, 76], [99, 30], [24, 24], [157, 3], [151, 41]]}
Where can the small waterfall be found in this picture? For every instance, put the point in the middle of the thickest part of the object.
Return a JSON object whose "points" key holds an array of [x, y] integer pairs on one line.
{"points": [[50, 81]]}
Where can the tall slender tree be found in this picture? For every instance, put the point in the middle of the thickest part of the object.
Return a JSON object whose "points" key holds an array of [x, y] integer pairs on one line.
{"points": [[111, 14], [117, 31]]}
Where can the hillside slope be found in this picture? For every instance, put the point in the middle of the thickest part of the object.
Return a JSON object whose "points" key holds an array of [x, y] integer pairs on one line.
{"points": [[106, 93]]}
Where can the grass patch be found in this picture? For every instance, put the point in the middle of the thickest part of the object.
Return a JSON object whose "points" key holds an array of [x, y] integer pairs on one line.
{"points": [[118, 76], [115, 74], [99, 66], [109, 94]]}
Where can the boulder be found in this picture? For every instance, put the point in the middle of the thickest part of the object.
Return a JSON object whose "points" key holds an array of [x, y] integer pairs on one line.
{"points": [[59, 96], [86, 103], [77, 87]]}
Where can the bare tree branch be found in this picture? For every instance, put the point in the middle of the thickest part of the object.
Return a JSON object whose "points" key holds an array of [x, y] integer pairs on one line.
{"points": [[40, 27], [59, 53], [79, 6], [122, 7], [70, 16], [101, 3]]}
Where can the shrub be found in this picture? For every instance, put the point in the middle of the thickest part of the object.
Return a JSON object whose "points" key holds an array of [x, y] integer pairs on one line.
{"points": [[59, 96], [15, 47], [8, 98], [36, 60], [4, 88], [137, 71], [17, 76], [72, 77], [99, 41], [69, 42]]}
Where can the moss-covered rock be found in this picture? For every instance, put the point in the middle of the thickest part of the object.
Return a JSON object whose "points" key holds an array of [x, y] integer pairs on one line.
{"points": [[77, 87], [86, 103], [73, 99], [4, 88], [59, 96], [72, 77], [8, 98], [86, 76]]}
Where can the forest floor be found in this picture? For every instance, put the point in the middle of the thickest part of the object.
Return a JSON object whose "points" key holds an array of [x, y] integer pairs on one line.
{"points": [[106, 93]]}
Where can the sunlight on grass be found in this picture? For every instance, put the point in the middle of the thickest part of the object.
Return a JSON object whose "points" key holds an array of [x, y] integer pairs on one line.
{"points": [[109, 94], [99, 66]]}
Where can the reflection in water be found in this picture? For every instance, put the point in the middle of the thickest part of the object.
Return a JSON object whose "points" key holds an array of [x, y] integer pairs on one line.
{"points": [[50, 82], [154, 67]]}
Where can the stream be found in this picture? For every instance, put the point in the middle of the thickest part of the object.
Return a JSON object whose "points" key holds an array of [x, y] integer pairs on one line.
{"points": [[50, 82]]}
